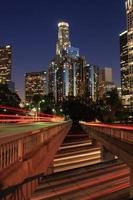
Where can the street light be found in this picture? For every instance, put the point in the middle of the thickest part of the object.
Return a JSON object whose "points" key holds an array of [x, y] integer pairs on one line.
{"points": [[54, 111]]}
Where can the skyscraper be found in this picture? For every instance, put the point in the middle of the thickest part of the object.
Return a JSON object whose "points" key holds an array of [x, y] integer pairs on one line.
{"points": [[91, 81], [52, 86], [63, 38], [35, 83], [105, 81], [5, 63], [129, 13], [65, 71], [125, 75]]}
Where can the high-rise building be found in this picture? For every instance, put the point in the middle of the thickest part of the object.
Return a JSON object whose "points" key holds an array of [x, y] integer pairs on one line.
{"points": [[105, 81], [69, 78], [5, 63], [66, 77], [105, 74], [129, 13], [125, 75], [91, 81], [52, 84], [97, 81], [63, 38], [65, 71], [35, 83]]}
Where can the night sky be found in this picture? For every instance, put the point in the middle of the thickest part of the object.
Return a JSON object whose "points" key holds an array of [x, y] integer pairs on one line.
{"points": [[30, 26]]}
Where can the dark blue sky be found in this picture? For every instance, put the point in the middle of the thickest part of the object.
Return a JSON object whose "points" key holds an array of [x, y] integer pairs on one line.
{"points": [[30, 26]]}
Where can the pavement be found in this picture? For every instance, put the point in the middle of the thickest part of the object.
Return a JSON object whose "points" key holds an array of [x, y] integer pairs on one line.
{"points": [[14, 129]]}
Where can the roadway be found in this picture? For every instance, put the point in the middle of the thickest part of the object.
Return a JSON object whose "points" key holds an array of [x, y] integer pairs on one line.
{"points": [[108, 181], [79, 174], [15, 129]]}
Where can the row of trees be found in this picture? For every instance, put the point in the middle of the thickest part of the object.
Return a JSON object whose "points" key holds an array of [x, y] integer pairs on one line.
{"points": [[107, 109]]}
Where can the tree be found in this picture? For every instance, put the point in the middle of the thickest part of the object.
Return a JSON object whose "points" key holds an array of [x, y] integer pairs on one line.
{"points": [[36, 101], [8, 98], [109, 106], [47, 103], [78, 110]]}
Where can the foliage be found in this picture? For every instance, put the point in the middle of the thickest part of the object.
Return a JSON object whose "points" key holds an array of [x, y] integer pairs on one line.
{"points": [[78, 109], [8, 98], [110, 108], [36, 99], [107, 109]]}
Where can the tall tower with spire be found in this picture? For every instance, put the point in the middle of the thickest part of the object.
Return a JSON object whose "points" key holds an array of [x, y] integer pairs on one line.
{"points": [[63, 38]]}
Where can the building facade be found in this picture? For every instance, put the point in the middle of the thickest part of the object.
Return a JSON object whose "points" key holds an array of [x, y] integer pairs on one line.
{"points": [[129, 14], [91, 81], [63, 38], [105, 81], [5, 63], [35, 83], [66, 77], [65, 71], [97, 81], [125, 75]]}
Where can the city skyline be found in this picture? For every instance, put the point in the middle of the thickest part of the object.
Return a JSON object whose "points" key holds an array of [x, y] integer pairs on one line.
{"points": [[34, 50]]}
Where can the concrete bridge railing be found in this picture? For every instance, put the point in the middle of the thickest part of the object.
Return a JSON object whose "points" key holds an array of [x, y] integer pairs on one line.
{"points": [[30, 153], [124, 133], [115, 140]]}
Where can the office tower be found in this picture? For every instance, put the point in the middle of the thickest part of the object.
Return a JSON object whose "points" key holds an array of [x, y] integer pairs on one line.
{"points": [[5, 63], [105, 74], [125, 75], [52, 87], [91, 81], [35, 83], [129, 14], [97, 81], [65, 71], [105, 81], [66, 77], [63, 38]]}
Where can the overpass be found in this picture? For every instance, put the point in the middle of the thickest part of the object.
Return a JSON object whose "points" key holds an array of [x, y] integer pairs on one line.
{"points": [[116, 140], [26, 152]]}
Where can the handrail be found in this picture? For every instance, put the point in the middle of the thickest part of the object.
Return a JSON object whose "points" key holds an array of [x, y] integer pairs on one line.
{"points": [[14, 148], [114, 126], [121, 132]]}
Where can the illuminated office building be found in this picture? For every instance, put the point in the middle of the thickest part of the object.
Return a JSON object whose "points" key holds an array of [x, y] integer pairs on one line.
{"points": [[52, 82], [129, 13], [91, 81], [125, 76], [5, 63], [63, 38], [66, 77], [65, 71], [105, 81], [35, 83], [97, 81]]}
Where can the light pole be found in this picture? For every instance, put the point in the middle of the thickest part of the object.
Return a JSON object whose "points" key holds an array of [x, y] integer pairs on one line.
{"points": [[39, 108]]}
